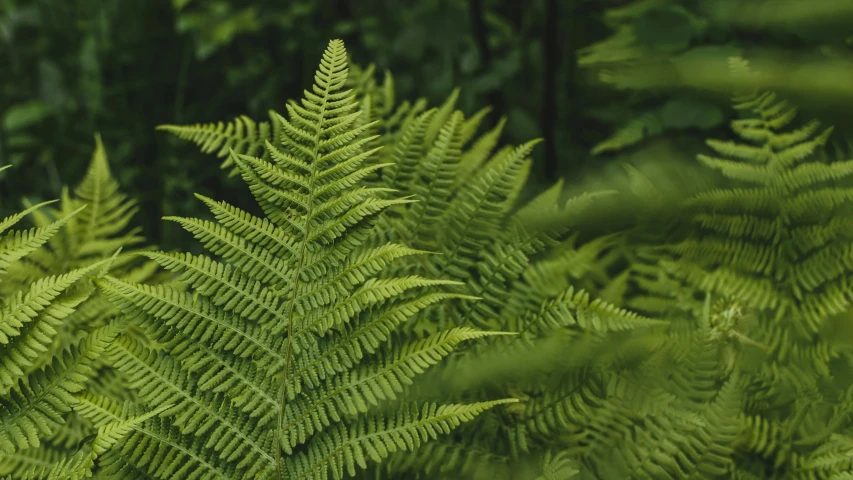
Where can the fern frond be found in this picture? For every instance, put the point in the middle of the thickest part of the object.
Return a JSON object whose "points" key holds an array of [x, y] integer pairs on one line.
{"points": [[480, 207], [242, 135], [753, 245], [81, 464], [342, 449], [15, 245], [297, 298], [646, 125], [34, 406]]}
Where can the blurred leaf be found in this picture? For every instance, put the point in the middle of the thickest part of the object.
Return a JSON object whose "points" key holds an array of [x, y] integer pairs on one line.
{"points": [[502, 70], [17, 17], [816, 79], [681, 113], [521, 126], [508, 65], [17, 159], [179, 4], [345, 27], [51, 90], [21, 140], [636, 130], [780, 13], [715, 56], [24, 114], [90, 74], [630, 12], [666, 29], [469, 61], [217, 26], [411, 42], [443, 80]]}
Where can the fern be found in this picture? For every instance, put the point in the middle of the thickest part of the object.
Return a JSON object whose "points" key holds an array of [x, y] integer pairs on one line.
{"points": [[242, 136], [490, 243], [636, 130], [248, 137], [36, 392], [776, 245], [93, 234], [278, 354], [81, 464], [767, 244], [616, 387]]}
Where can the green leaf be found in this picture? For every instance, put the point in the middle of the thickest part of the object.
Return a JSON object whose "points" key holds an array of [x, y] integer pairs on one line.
{"points": [[667, 29], [681, 113], [23, 115], [90, 74]]}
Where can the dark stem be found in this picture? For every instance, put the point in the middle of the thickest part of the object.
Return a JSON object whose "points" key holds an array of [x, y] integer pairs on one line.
{"points": [[478, 27], [186, 59], [481, 38], [548, 113]]}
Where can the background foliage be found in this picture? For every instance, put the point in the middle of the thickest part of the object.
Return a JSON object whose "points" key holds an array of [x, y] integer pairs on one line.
{"points": [[601, 81]]}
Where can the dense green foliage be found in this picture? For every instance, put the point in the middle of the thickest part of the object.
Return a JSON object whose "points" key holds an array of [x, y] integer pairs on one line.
{"points": [[549, 67], [405, 299]]}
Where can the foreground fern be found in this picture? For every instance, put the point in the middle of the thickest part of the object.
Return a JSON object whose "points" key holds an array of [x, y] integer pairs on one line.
{"points": [[37, 391], [381, 118], [93, 234], [97, 232], [275, 357], [467, 209]]}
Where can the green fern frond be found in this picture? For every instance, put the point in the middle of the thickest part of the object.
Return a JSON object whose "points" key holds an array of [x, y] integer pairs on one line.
{"points": [[479, 208], [242, 135], [558, 466], [575, 308], [98, 233], [753, 243], [407, 153], [17, 244], [775, 243], [474, 157], [81, 464], [438, 170], [285, 301], [344, 448], [52, 328], [36, 403]]}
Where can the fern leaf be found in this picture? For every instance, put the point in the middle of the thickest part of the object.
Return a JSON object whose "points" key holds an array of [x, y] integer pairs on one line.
{"points": [[342, 449], [242, 135], [297, 297]]}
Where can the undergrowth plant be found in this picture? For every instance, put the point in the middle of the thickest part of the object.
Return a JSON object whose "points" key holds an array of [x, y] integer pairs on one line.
{"points": [[39, 381], [279, 356], [779, 243], [775, 245], [576, 407], [89, 226]]}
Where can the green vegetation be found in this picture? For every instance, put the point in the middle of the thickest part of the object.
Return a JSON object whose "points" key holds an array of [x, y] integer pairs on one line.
{"points": [[416, 292]]}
